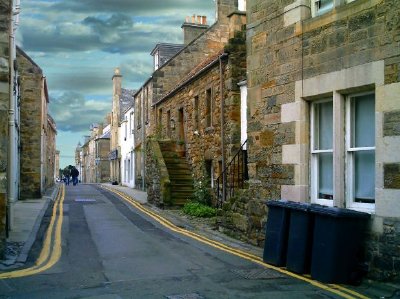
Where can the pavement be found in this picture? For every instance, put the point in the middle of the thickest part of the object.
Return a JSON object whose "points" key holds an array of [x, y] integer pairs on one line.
{"points": [[25, 226], [28, 215]]}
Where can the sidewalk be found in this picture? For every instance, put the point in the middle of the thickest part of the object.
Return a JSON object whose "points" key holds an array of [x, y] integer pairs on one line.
{"points": [[206, 227], [25, 225]]}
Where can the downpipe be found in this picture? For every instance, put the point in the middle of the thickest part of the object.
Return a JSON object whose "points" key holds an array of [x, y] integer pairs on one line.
{"points": [[12, 148]]}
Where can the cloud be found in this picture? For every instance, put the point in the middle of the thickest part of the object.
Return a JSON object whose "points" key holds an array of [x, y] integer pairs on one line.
{"points": [[75, 114], [148, 7]]}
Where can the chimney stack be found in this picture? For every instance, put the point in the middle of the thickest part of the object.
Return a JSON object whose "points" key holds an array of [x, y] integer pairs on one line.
{"points": [[193, 27]]}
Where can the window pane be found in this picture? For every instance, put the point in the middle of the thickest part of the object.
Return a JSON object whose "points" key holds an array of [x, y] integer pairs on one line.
{"points": [[364, 122], [324, 6], [364, 176], [325, 125], [325, 175]]}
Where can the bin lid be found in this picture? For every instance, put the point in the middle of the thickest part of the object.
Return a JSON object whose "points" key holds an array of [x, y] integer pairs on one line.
{"points": [[300, 206], [337, 212], [277, 203], [288, 204]]}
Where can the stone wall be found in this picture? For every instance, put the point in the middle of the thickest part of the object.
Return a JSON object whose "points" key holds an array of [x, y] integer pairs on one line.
{"points": [[293, 59], [208, 43], [50, 153], [103, 168], [5, 7], [157, 178], [31, 113]]}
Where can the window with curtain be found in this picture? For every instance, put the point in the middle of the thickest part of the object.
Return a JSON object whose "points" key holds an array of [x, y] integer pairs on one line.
{"points": [[360, 147], [322, 151]]}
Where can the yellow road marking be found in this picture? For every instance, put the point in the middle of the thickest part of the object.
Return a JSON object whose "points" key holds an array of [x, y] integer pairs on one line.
{"points": [[332, 288], [51, 251]]}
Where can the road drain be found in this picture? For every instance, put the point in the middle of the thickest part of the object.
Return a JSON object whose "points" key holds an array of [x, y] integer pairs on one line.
{"points": [[85, 200], [185, 296], [257, 273]]}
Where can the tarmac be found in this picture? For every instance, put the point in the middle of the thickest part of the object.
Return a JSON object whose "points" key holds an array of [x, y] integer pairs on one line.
{"points": [[28, 215]]}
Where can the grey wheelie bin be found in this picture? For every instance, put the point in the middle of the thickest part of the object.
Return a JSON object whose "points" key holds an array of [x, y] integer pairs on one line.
{"points": [[276, 233], [337, 249]]}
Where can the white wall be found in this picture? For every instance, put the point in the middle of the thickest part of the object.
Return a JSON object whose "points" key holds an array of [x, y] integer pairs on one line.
{"points": [[126, 141]]}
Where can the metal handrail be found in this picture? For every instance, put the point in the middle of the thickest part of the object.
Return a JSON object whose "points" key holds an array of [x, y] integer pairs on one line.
{"points": [[236, 173]]}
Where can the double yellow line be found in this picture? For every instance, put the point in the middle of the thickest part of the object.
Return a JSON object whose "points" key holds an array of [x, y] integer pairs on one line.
{"points": [[51, 250], [332, 288]]}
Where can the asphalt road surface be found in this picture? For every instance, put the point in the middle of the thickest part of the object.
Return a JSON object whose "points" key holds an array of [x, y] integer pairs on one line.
{"points": [[112, 251]]}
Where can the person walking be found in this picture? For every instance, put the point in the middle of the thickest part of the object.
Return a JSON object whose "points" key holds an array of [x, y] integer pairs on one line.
{"points": [[74, 174]]}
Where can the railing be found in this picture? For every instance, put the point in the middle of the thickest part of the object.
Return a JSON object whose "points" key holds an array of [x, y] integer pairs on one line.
{"points": [[234, 174]]}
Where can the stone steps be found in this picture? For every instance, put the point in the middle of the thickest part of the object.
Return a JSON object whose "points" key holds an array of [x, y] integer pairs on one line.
{"points": [[179, 171]]}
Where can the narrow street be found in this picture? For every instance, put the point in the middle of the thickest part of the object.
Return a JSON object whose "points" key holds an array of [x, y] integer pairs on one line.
{"points": [[111, 250]]}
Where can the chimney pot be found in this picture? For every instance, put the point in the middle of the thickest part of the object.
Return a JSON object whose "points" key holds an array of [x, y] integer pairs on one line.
{"points": [[187, 19], [204, 19], [193, 19], [199, 19]]}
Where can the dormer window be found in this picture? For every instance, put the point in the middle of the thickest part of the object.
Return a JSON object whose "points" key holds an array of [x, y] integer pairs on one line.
{"points": [[156, 61]]}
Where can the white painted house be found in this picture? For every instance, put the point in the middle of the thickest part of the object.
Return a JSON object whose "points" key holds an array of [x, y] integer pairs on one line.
{"points": [[126, 136]]}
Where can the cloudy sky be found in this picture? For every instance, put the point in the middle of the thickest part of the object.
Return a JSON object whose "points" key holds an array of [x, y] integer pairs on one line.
{"points": [[78, 43]]}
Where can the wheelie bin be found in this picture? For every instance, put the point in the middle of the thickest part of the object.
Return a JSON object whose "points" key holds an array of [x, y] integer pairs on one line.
{"points": [[337, 249], [300, 237], [276, 233]]}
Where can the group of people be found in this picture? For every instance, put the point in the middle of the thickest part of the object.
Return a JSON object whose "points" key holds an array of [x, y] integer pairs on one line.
{"points": [[71, 172]]}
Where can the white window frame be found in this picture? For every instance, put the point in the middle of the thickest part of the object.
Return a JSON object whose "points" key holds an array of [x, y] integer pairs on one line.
{"points": [[315, 4], [242, 5], [350, 203], [314, 158]]}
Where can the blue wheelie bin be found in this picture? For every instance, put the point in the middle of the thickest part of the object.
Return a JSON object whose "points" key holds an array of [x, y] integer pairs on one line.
{"points": [[276, 233], [337, 249]]}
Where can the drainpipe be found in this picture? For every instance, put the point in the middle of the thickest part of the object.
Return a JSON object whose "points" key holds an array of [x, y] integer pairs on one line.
{"points": [[222, 126], [11, 173], [143, 139]]}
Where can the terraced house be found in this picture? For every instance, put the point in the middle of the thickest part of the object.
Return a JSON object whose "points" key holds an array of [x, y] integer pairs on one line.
{"points": [[27, 131], [323, 116], [196, 108]]}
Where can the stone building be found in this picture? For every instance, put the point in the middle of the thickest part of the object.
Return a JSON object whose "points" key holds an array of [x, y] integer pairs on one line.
{"points": [[5, 71], [122, 98], [102, 150], [191, 81], [33, 129], [50, 158], [57, 165], [92, 158], [323, 119], [79, 160]]}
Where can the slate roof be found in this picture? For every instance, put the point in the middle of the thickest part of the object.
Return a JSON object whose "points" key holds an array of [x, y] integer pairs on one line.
{"points": [[125, 101], [106, 135]]}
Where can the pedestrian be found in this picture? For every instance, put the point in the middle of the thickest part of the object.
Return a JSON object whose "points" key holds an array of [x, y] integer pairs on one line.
{"points": [[74, 174]]}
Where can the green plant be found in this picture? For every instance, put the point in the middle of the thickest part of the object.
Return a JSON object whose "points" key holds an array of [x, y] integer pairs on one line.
{"points": [[198, 210], [201, 192]]}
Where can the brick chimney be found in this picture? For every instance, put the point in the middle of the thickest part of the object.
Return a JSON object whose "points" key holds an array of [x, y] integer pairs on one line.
{"points": [[193, 27]]}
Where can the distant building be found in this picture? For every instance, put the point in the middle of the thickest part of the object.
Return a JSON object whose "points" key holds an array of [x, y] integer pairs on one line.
{"points": [[122, 98], [50, 158]]}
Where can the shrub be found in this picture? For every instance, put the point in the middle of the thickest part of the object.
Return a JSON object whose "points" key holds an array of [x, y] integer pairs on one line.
{"points": [[198, 210], [201, 192]]}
